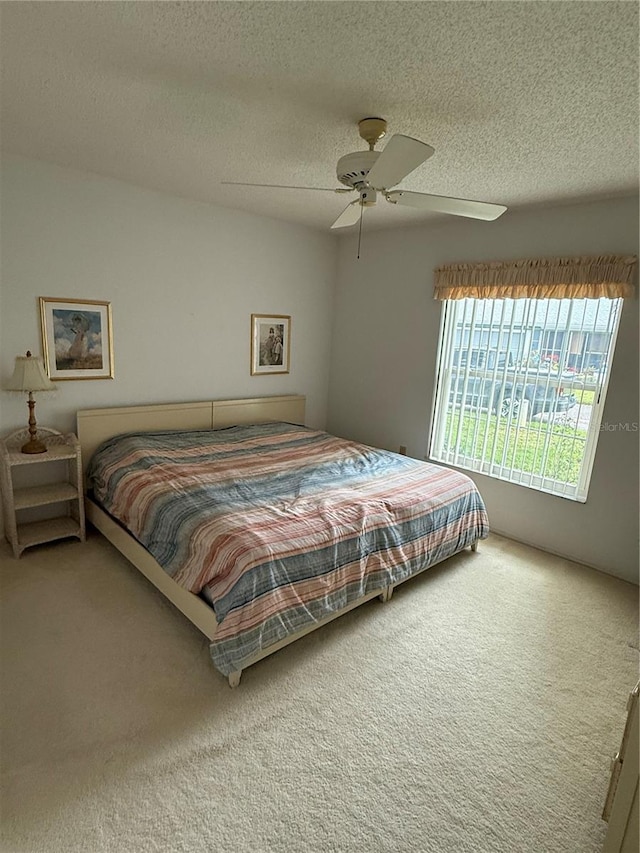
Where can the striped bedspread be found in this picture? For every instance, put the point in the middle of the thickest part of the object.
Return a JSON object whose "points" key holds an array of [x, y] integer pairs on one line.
{"points": [[280, 525]]}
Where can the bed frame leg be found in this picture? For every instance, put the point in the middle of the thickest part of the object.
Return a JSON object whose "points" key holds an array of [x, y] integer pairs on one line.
{"points": [[386, 594], [474, 547], [234, 678]]}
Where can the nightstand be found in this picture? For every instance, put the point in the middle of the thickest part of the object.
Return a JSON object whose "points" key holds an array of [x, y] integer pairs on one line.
{"points": [[66, 491]]}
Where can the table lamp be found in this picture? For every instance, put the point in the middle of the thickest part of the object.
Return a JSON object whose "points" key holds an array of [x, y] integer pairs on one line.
{"points": [[29, 376]]}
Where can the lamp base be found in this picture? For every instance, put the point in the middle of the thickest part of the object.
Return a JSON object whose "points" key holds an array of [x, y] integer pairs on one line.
{"points": [[34, 446]]}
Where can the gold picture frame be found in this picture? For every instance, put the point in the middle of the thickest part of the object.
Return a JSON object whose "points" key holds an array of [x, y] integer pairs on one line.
{"points": [[77, 338], [270, 344]]}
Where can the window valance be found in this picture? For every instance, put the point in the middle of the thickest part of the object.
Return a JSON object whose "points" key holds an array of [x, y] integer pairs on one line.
{"points": [[543, 278]]}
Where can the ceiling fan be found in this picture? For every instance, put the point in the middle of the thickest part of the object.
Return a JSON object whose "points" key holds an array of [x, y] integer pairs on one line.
{"points": [[371, 172]]}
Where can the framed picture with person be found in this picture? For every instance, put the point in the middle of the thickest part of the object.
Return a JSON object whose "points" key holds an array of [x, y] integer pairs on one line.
{"points": [[76, 338], [270, 343]]}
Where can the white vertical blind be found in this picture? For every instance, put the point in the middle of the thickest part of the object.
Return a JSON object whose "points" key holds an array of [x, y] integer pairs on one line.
{"points": [[520, 388]]}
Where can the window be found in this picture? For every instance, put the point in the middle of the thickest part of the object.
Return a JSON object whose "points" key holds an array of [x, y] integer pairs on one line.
{"points": [[522, 375]]}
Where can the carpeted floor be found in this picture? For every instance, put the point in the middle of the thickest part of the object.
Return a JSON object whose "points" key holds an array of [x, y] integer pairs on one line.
{"points": [[476, 711]]}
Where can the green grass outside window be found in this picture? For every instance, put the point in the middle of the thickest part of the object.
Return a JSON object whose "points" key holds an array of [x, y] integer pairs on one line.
{"points": [[524, 449]]}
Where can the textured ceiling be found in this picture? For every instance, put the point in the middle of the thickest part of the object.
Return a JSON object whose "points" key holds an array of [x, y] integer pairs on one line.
{"points": [[526, 103]]}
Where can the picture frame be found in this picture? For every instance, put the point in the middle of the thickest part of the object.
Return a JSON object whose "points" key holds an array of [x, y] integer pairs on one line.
{"points": [[77, 338], [270, 344]]}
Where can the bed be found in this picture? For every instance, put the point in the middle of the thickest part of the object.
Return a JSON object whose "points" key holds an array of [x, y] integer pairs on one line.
{"points": [[260, 529]]}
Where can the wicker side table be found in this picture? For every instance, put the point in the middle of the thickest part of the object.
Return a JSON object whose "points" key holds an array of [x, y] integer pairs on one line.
{"points": [[67, 492]]}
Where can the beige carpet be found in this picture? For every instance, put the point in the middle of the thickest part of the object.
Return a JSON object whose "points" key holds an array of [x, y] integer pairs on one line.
{"points": [[476, 711]]}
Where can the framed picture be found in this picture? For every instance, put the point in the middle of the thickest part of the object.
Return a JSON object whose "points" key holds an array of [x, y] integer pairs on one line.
{"points": [[76, 338], [270, 343]]}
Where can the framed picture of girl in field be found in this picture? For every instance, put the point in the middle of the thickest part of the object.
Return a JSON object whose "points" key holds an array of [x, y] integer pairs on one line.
{"points": [[77, 339]]}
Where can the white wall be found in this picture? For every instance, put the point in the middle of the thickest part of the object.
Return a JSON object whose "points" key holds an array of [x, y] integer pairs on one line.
{"points": [[384, 352], [183, 279]]}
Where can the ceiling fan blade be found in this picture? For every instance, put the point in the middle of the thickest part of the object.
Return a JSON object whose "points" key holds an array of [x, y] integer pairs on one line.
{"points": [[443, 204], [401, 155], [285, 187], [349, 216]]}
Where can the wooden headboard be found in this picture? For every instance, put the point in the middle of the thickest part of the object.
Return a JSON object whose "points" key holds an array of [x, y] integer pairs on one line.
{"points": [[96, 425]]}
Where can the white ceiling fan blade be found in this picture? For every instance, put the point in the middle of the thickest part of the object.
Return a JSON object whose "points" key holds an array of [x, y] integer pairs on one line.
{"points": [[349, 216], [443, 204], [285, 187], [401, 155]]}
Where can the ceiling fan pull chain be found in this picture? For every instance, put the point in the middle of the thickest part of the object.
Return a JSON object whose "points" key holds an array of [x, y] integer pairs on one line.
{"points": [[360, 228]]}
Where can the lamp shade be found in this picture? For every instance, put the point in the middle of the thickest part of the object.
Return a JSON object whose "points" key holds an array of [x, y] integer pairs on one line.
{"points": [[29, 375]]}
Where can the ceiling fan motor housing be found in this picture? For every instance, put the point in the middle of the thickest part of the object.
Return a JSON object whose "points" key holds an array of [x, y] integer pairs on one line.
{"points": [[353, 169]]}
